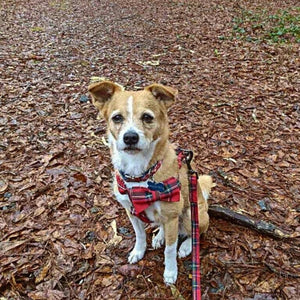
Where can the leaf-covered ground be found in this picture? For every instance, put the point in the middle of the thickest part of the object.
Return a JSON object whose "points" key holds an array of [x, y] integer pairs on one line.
{"points": [[238, 109]]}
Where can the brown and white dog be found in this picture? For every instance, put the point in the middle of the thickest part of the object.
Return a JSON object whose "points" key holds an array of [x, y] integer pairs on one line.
{"points": [[138, 133]]}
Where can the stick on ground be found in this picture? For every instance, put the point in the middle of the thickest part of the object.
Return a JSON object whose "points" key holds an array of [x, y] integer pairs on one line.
{"points": [[240, 219]]}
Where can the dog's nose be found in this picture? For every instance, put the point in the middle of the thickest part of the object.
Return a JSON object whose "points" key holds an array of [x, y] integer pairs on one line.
{"points": [[130, 138]]}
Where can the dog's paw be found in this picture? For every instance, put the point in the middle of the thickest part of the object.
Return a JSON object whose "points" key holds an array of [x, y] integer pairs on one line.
{"points": [[158, 240], [135, 256], [170, 276], [186, 248]]}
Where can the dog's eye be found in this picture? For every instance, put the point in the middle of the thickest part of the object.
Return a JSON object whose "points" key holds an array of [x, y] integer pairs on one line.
{"points": [[118, 118], [147, 118]]}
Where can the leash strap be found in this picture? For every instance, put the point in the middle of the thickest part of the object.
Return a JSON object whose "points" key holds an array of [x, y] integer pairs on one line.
{"points": [[193, 177], [193, 197]]}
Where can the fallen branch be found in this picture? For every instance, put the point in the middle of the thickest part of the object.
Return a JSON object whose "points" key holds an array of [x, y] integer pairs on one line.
{"points": [[240, 219], [280, 272]]}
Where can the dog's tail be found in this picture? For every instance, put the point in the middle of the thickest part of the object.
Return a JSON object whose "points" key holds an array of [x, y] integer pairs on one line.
{"points": [[206, 183]]}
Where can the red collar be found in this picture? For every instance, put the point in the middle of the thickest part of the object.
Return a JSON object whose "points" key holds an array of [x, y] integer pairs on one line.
{"points": [[145, 176]]}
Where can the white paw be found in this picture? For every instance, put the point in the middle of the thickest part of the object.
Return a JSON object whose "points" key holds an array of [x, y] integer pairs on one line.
{"points": [[186, 248], [135, 256], [170, 276], [158, 241]]}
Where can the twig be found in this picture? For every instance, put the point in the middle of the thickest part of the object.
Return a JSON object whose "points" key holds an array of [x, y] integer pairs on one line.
{"points": [[258, 225], [279, 272]]}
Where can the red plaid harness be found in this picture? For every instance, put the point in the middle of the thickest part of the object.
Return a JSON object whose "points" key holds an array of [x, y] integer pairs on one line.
{"points": [[169, 191], [142, 197]]}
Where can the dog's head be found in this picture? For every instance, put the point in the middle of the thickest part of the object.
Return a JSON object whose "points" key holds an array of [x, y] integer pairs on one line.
{"points": [[136, 120]]}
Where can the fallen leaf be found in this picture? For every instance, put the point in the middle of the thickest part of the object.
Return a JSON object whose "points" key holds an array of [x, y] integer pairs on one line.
{"points": [[130, 270], [43, 272], [176, 294], [6, 246], [3, 185], [116, 239], [49, 294], [149, 63], [96, 79]]}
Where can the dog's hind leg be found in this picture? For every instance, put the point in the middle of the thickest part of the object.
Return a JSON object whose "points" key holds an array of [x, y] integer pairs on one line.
{"points": [[159, 239], [140, 240], [204, 186], [171, 237], [186, 247]]}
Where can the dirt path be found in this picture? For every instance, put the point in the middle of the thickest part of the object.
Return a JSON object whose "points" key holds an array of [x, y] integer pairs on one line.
{"points": [[238, 108]]}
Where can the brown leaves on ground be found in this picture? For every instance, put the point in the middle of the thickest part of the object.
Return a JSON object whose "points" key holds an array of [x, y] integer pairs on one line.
{"points": [[238, 108]]}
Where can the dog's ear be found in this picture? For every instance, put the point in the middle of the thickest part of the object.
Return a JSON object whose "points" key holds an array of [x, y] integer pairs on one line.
{"points": [[103, 91], [165, 94]]}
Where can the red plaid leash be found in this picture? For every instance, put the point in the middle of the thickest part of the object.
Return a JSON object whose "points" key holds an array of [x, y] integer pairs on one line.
{"points": [[193, 197], [195, 237]]}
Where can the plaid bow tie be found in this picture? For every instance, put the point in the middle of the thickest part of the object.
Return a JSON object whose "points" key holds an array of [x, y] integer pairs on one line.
{"points": [[143, 197]]}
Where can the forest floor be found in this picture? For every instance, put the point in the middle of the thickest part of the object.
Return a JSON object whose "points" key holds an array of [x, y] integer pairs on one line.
{"points": [[236, 66]]}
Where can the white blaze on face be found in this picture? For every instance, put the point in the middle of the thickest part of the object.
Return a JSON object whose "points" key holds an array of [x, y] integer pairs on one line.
{"points": [[130, 125], [130, 109]]}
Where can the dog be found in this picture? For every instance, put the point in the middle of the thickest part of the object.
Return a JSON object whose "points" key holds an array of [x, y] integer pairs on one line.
{"points": [[146, 163]]}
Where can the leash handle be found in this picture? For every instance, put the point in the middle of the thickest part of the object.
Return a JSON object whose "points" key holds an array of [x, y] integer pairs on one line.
{"points": [[187, 157]]}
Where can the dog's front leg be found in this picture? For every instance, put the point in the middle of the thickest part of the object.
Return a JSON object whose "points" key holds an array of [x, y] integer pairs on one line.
{"points": [[140, 240], [171, 236], [159, 239]]}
